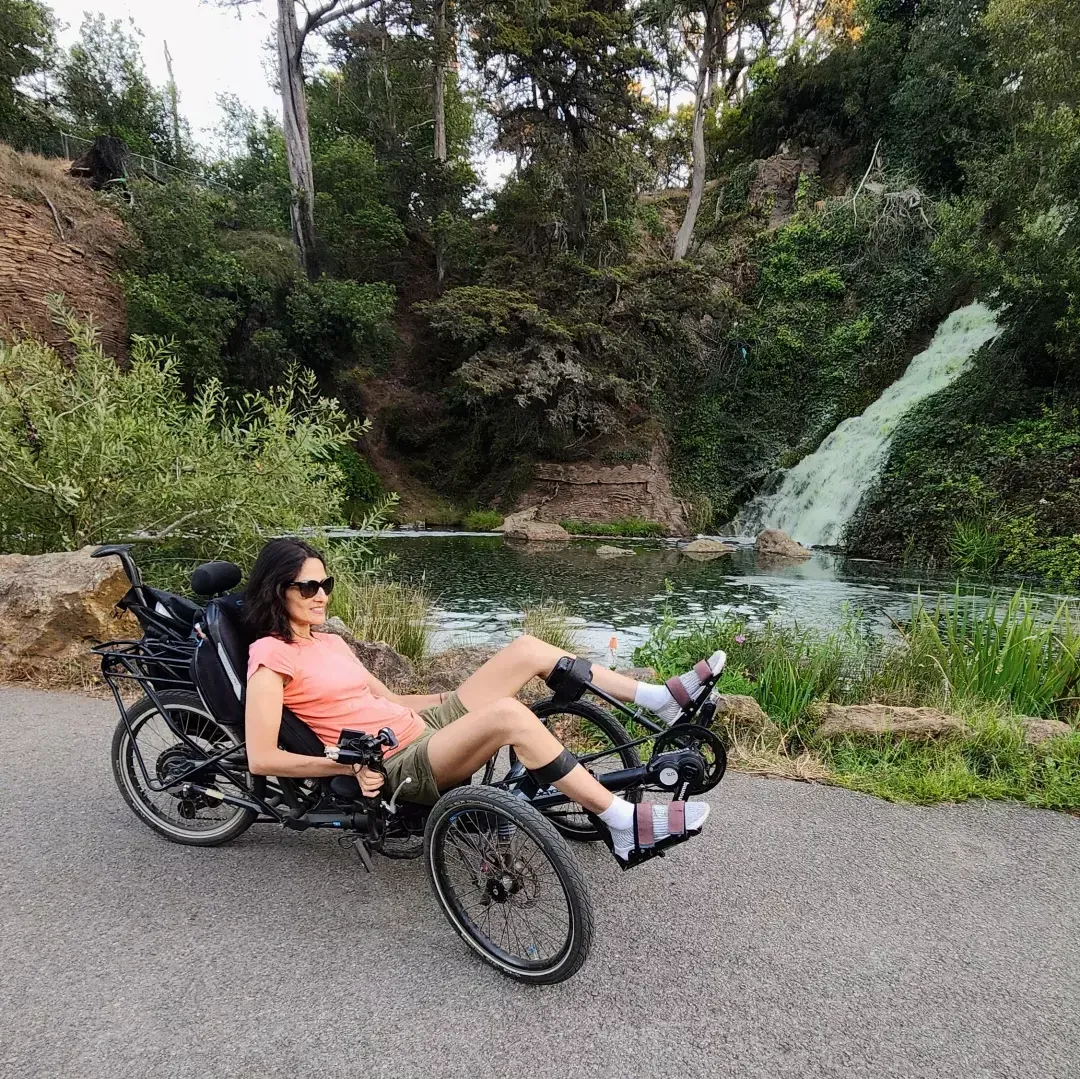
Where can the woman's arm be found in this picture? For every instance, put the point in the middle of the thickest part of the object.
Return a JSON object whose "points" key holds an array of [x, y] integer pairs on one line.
{"points": [[262, 721], [416, 701]]}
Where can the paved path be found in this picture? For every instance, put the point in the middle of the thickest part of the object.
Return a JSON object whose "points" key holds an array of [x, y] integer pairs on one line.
{"points": [[812, 932]]}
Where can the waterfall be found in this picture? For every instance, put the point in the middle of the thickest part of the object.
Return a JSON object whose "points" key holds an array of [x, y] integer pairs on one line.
{"points": [[817, 497]]}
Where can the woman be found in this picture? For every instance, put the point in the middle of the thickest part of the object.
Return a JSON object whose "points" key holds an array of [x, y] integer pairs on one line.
{"points": [[442, 739]]}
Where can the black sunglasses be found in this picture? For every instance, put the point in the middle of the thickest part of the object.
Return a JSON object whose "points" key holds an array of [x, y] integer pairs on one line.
{"points": [[307, 589]]}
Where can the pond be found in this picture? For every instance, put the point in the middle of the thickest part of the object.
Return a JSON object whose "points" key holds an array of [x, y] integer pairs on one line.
{"points": [[480, 583]]}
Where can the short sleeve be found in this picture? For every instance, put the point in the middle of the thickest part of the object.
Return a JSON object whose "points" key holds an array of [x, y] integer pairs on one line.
{"points": [[273, 653]]}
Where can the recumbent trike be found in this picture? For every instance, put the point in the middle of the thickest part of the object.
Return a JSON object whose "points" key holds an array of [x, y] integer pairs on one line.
{"points": [[495, 850]]}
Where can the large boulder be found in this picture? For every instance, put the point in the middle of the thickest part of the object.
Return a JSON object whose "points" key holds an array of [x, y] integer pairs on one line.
{"points": [[387, 664], [876, 720], [538, 532], [705, 550], [1037, 731], [445, 671], [519, 518], [745, 720], [55, 606], [607, 551], [778, 544]]}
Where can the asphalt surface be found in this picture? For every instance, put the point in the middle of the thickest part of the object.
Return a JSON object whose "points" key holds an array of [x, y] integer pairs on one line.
{"points": [[810, 932]]}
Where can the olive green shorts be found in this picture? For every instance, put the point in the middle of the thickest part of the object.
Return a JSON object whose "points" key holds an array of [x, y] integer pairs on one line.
{"points": [[412, 762]]}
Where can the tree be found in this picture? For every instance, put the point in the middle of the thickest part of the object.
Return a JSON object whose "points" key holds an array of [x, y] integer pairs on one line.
{"points": [[561, 81], [290, 38], [104, 89], [713, 39], [27, 40]]}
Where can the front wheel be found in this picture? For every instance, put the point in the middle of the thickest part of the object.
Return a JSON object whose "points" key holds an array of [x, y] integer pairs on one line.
{"points": [[508, 884], [192, 819]]}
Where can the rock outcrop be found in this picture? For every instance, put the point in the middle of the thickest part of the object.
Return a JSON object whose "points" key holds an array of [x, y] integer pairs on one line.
{"points": [[876, 720], [538, 532], [596, 492], [515, 520], [745, 720], [1037, 730], [709, 547], [607, 551], [777, 544], [68, 247], [55, 606]]}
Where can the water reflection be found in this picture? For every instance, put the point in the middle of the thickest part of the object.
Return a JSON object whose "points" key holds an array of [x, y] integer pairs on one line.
{"points": [[481, 583]]}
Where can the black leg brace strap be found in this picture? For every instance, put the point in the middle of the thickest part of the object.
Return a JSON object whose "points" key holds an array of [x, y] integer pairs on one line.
{"points": [[550, 773], [568, 679]]}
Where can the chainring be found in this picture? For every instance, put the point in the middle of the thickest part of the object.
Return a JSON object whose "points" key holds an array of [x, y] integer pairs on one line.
{"points": [[703, 742]]}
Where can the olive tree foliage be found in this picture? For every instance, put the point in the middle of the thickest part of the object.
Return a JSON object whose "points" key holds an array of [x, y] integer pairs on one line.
{"points": [[91, 452]]}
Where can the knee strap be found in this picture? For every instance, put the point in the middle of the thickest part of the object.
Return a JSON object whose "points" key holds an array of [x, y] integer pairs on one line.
{"points": [[568, 679], [550, 773]]}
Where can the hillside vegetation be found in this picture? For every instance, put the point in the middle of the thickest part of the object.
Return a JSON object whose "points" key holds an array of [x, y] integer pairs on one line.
{"points": [[863, 170]]}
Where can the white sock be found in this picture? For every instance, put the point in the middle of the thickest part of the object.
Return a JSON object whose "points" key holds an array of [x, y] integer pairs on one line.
{"points": [[658, 699], [619, 815], [652, 697]]}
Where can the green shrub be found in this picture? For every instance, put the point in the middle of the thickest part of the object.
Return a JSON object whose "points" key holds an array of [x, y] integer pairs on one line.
{"points": [[1016, 653], [481, 521], [629, 526], [94, 453]]}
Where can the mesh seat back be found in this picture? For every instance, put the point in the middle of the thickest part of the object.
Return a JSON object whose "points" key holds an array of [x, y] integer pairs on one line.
{"points": [[219, 671]]}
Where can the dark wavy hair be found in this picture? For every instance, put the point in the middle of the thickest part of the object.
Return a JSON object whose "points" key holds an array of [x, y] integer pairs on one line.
{"points": [[264, 598]]}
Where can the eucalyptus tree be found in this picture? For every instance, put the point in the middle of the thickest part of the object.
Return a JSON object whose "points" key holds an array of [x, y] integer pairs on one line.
{"points": [[291, 35], [718, 40]]}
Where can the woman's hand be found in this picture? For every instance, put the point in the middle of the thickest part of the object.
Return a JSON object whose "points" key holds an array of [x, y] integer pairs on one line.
{"points": [[370, 781]]}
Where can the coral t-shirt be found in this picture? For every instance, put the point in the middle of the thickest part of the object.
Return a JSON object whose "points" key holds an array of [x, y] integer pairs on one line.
{"points": [[330, 689]]}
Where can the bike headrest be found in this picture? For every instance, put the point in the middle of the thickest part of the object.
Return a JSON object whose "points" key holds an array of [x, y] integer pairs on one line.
{"points": [[213, 578]]}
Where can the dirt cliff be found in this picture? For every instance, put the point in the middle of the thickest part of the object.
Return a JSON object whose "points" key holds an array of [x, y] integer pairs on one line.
{"points": [[56, 236]]}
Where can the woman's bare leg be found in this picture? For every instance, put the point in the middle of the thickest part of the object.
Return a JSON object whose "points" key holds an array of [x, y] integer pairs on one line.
{"points": [[459, 749], [524, 658]]}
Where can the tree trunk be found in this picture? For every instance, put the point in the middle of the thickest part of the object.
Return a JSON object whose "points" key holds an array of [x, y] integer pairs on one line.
{"points": [[440, 79], [297, 140], [697, 169], [439, 27]]}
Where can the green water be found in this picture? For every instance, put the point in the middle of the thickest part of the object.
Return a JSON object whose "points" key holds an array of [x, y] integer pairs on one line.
{"points": [[481, 583]]}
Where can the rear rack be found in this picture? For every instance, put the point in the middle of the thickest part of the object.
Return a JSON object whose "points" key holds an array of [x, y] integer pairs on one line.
{"points": [[155, 666]]}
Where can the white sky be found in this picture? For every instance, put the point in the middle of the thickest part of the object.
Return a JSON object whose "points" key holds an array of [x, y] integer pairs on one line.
{"points": [[213, 51]]}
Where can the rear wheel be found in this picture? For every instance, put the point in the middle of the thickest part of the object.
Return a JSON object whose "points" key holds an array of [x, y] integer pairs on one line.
{"points": [[192, 819], [508, 884], [587, 730]]}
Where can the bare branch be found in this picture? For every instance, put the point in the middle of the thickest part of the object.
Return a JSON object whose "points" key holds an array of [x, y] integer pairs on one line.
{"points": [[329, 12]]}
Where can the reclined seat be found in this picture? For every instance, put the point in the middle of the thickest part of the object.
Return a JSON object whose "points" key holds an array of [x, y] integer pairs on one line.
{"points": [[219, 671]]}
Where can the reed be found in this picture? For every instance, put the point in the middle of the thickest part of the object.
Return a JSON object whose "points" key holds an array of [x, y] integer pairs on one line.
{"points": [[549, 621]]}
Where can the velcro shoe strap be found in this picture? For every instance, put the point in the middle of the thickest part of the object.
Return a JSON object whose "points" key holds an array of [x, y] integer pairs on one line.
{"points": [[703, 670], [644, 835], [678, 691], [676, 816]]}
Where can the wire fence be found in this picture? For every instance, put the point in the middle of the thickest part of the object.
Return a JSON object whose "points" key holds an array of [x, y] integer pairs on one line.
{"points": [[63, 144]]}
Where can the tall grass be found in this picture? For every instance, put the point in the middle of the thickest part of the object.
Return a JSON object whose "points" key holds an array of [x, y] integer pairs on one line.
{"points": [[382, 610], [985, 651], [549, 621], [984, 660]]}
